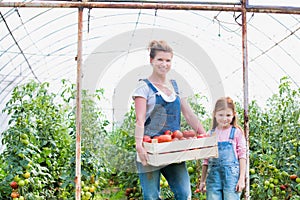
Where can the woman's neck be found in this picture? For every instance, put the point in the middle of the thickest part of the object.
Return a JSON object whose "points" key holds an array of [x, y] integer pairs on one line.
{"points": [[162, 84], [162, 80]]}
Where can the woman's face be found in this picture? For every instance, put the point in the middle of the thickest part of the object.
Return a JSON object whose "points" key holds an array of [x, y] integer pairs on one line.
{"points": [[162, 62]]}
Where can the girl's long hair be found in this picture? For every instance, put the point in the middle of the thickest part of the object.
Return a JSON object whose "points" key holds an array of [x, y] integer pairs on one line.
{"points": [[222, 104]]}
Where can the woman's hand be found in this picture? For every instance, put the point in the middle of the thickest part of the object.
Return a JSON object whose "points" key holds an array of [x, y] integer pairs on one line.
{"points": [[142, 153]]}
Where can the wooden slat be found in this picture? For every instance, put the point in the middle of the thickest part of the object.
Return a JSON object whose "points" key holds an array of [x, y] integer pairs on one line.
{"points": [[180, 145], [183, 150]]}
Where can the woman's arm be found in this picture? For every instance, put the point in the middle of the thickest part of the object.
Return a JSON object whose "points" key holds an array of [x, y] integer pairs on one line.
{"points": [[140, 111], [190, 117]]}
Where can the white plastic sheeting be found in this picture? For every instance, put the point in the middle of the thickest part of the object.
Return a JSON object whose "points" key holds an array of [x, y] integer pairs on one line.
{"points": [[41, 44]]}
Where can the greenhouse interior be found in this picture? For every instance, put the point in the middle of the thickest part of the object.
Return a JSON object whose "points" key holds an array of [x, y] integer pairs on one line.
{"points": [[68, 70]]}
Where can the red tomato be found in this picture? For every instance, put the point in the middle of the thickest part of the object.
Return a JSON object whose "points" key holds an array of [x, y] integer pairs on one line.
{"points": [[14, 185], [202, 136], [293, 176], [177, 134], [164, 138], [189, 133], [147, 138], [15, 195], [168, 132], [282, 187], [197, 190]]}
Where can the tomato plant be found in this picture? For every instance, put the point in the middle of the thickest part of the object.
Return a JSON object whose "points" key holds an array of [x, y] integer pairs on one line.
{"points": [[40, 142], [39, 158], [274, 152]]}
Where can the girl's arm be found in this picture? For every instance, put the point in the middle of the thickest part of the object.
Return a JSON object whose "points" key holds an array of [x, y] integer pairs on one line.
{"points": [[241, 182], [241, 154], [203, 178], [140, 110], [190, 117]]}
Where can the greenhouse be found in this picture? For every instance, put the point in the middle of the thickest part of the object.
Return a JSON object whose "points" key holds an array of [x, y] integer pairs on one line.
{"points": [[68, 70]]}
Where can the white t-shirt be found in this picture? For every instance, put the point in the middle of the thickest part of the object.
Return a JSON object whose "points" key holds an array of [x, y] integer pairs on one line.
{"points": [[143, 90]]}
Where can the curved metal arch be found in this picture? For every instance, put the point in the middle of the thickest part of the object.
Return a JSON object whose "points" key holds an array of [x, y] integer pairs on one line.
{"points": [[96, 64]]}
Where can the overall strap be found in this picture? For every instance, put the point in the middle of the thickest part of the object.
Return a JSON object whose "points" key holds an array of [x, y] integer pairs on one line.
{"points": [[232, 133], [175, 86], [150, 85]]}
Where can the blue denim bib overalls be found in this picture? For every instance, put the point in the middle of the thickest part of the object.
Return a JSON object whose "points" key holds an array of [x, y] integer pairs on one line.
{"points": [[165, 116], [223, 173]]}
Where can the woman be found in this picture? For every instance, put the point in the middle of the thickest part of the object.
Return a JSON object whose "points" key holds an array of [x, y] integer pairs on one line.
{"points": [[158, 106]]}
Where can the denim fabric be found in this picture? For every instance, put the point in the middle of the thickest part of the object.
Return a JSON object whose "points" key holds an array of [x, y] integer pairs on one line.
{"points": [[165, 115], [223, 173], [176, 175]]}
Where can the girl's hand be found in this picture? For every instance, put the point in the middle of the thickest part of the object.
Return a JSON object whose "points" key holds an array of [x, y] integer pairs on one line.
{"points": [[202, 187], [142, 153], [240, 185]]}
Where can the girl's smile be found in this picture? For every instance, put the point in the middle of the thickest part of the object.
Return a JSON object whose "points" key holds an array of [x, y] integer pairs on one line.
{"points": [[224, 118]]}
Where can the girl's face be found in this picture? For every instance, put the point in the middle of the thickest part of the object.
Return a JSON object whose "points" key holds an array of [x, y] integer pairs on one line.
{"points": [[161, 62], [224, 118]]}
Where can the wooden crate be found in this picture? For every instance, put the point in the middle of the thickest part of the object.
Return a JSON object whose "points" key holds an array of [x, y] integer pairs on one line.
{"points": [[181, 150]]}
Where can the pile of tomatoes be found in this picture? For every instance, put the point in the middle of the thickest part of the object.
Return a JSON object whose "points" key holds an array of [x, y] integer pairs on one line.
{"points": [[170, 136]]}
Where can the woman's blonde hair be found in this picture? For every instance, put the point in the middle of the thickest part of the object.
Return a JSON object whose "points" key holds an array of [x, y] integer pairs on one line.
{"points": [[222, 104], [161, 45]]}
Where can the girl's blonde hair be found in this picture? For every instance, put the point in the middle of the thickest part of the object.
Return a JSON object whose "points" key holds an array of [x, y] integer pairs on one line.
{"points": [[222, 104], [161, 45]]}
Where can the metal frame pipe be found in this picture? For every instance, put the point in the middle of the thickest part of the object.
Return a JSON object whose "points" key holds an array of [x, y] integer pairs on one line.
{"points": [[181, 5], [245, 90], [78, 106]]}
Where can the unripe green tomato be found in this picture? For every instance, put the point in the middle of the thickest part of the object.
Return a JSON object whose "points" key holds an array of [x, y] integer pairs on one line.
{"points": [[271, 180], [21, 183], [267, 183], [17, 178]]}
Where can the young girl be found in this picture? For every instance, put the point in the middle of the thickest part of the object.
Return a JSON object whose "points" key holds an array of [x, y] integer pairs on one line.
{"points": [[224, 177]]}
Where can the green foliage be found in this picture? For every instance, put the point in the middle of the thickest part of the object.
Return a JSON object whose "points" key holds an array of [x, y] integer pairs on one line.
{"points": [[41, 140], [120, 155], [274, 144], [93, 133], [36, 137], [196, 102]]}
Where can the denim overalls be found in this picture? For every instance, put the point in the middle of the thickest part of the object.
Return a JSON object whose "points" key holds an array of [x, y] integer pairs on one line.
{"points": [[223, 173], [165, 116]]}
